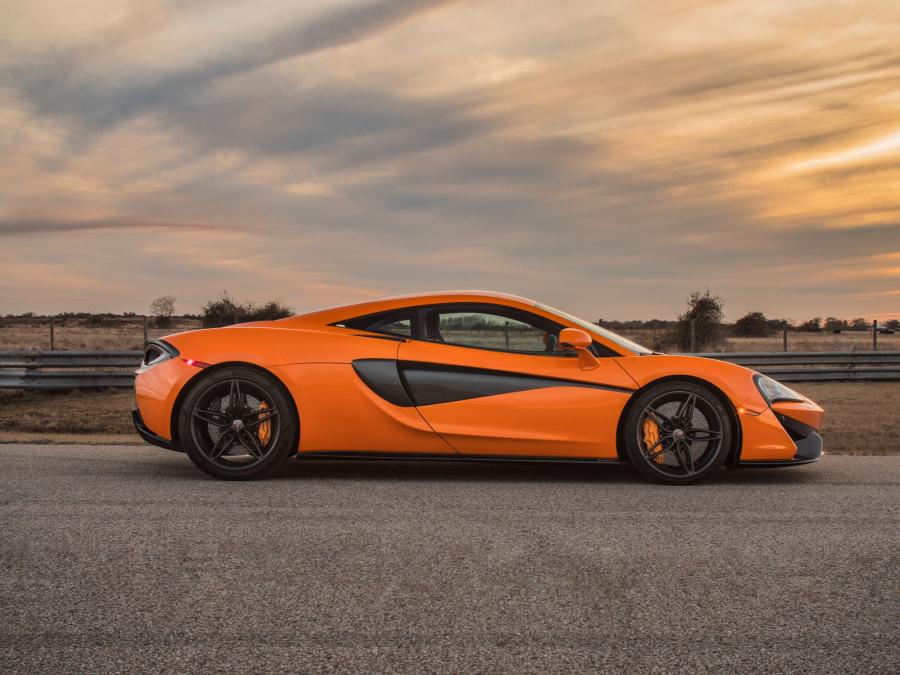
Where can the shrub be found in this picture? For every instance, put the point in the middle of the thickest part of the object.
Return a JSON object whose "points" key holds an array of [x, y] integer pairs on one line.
{"points": [[225, 311], [752, 324], [811, 326], [835, 325]]}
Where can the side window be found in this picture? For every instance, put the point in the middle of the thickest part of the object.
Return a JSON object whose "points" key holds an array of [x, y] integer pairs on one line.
{"points": [[393, 325], [489, 331]]}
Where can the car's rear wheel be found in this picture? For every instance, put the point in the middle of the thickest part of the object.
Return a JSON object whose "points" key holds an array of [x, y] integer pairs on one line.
{"points": [[237, 423], [678, 432]]}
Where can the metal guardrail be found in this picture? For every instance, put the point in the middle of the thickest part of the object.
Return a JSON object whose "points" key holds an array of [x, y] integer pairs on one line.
{"points": [[68, 369], [818, 366], [88, 369]]}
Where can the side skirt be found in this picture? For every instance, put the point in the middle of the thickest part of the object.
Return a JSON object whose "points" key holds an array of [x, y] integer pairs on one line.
{"points": [[449, 458]]}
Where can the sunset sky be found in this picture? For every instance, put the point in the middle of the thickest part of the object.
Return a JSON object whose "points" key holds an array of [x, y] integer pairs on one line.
{"points": [[605, 157]]}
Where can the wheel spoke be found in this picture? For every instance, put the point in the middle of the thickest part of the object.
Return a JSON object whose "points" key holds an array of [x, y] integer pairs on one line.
{"points": [[708, 435], [214, 417], [250, 442], [686, 409], [660, 419], [226, 440], [684, 456], [649, 454], [256, 417], [236, 399]]}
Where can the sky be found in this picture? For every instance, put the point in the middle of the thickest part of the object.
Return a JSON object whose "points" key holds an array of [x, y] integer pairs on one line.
{"points": [[604, 157]]}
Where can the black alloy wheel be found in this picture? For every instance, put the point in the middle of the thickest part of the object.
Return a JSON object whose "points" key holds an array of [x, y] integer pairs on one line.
{"points": [[678, 432], [237, 423]]}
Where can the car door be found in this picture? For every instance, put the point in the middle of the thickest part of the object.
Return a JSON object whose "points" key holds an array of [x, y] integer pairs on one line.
{"points": [[491, 381]]}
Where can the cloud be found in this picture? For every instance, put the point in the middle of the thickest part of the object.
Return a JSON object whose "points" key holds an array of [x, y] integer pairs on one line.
{"points": [[605, 157], [43, 226], [70, 88]]}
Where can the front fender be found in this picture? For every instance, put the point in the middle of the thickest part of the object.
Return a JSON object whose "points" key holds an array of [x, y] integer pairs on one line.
{"points": [[763, 438], [735, 381]]}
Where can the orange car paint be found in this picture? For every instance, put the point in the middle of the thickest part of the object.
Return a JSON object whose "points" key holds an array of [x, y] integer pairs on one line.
{"points": [[155, 392], [361, 419], [338, 411], [555, 421]]}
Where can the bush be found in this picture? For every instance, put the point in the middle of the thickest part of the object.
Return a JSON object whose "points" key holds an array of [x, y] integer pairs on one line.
{"points": [[811, 326], [269, 311], [225, 312], [752, 324], [835, 325]]}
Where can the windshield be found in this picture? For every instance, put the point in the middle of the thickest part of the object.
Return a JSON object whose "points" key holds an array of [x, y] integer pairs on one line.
{"points": [[594, 329]]}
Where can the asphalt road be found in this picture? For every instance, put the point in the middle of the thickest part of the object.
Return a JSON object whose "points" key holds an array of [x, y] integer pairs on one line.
{"points": [[124, 558]]}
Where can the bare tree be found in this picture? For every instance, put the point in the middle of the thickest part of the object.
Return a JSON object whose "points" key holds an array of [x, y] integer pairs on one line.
{"points": [[163, 308]]}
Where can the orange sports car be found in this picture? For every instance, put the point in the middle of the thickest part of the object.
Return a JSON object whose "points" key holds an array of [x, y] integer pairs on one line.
{"points": [[465, 376]]}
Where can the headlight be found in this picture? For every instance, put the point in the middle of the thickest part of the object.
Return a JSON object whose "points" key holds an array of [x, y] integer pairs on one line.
{"points": [[773, 391]]}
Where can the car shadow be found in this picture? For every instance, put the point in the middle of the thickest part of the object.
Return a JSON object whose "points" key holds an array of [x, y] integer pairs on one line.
{"points": [[505, 472]]}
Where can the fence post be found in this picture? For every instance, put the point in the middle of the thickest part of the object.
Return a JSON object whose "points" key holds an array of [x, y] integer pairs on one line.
{"points": [[52, 335], [693, 338], [145, 327], [875, 335], [507, 335], [785, 338]]}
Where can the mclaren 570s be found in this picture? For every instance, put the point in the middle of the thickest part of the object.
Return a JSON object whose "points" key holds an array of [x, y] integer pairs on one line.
{"points": [[462, 376]]}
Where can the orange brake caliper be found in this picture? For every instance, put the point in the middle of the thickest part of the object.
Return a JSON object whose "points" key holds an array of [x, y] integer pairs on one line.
{"points": [[651, 436], [265, 428]]}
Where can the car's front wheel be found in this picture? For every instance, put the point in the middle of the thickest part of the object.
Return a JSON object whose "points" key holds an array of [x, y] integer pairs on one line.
{"points": [[237, 423], [678, 432]]}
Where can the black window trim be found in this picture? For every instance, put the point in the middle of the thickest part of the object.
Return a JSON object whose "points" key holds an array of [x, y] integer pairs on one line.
{"points": [[418, 325]]}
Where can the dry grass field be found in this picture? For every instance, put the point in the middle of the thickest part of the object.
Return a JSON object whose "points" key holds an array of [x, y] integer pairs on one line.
{"points": [[797, 342], [861, 417], [76, 334]]}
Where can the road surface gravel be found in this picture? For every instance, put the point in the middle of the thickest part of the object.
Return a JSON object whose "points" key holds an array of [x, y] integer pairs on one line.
{"points": [[126, 559]]}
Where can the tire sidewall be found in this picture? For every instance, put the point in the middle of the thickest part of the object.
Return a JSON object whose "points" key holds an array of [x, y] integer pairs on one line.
{"points": [[633, 418], [287, 437]]}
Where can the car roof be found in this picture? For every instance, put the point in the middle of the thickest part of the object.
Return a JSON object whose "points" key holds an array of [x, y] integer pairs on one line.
{"points": [[335, 314]]}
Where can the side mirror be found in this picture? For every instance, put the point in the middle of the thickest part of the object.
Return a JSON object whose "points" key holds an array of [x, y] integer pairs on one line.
{"points": [[574, 338]]}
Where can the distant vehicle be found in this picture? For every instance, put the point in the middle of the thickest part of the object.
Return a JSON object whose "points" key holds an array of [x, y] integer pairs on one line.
{"points": [[465, 376], [885, 330]]}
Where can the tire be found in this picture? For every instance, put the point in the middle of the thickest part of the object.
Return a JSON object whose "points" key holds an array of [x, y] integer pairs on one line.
{"points": [[678, 432], [238, 444]]}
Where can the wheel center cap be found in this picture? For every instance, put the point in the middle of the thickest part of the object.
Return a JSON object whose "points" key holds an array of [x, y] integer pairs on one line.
{"points": [[237, 425], [678, 435]]}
